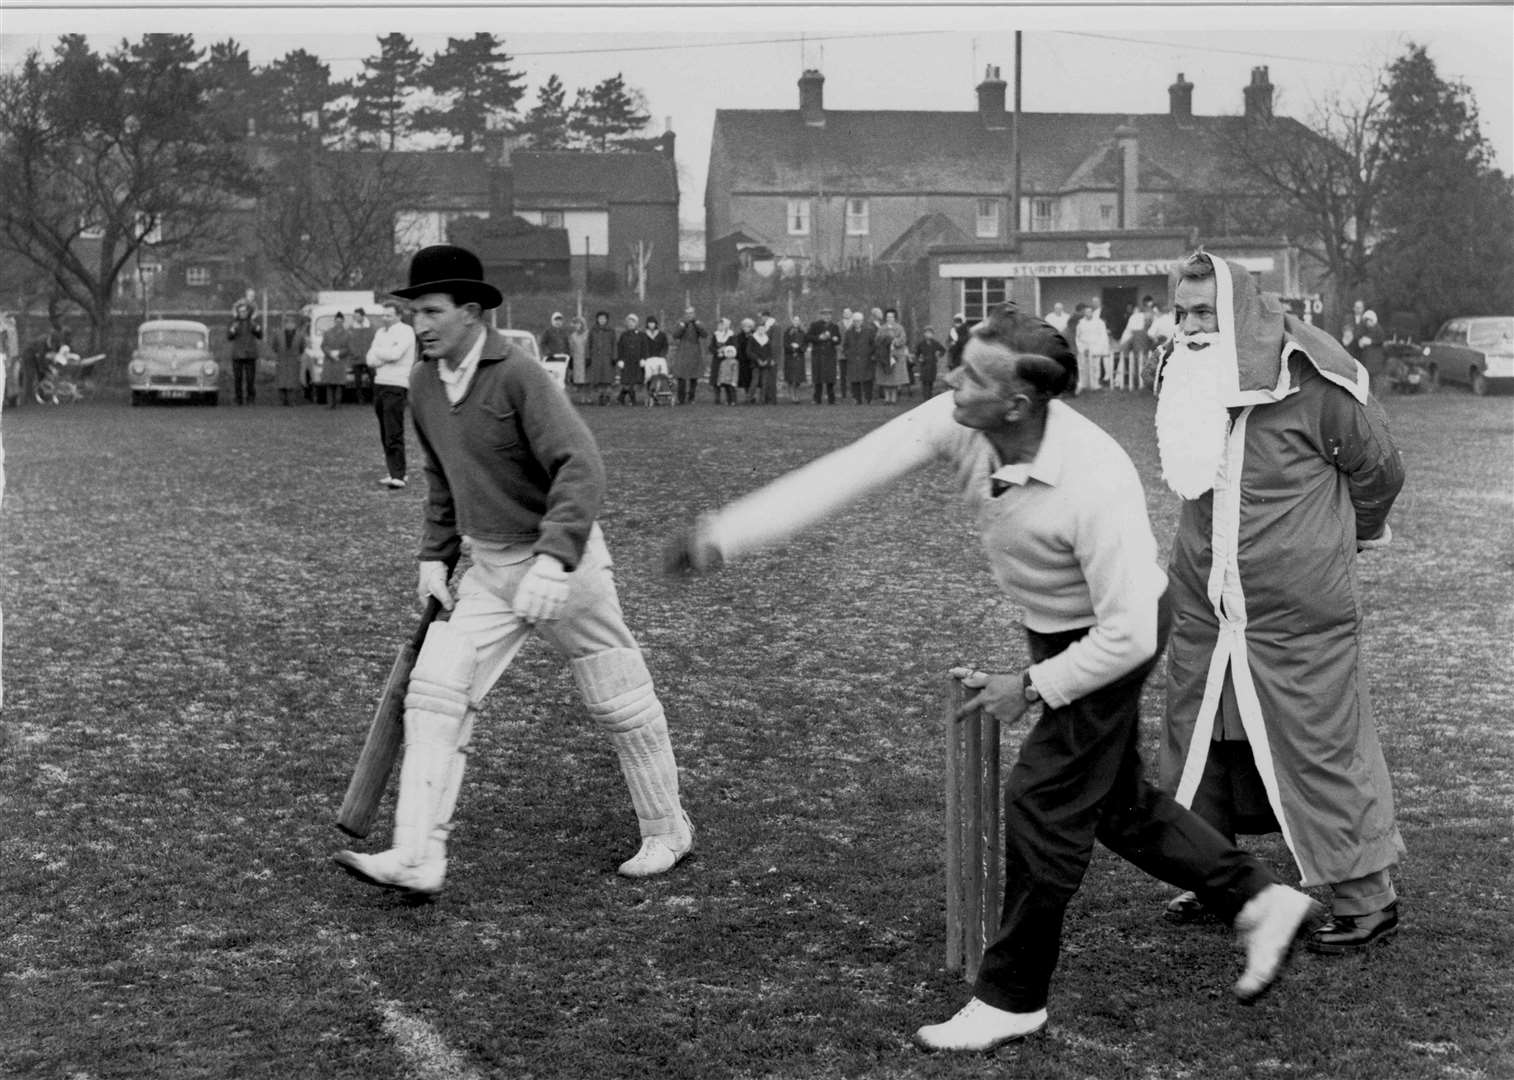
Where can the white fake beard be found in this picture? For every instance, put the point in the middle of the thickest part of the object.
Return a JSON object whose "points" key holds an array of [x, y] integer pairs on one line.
{"points": [[1192, 422]]}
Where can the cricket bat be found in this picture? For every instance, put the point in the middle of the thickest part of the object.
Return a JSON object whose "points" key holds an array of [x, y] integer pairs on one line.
{"points": [[370, 777]]}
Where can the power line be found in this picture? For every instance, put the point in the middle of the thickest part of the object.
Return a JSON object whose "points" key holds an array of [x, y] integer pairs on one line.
{"points": [[679, 46], [1206, 48]]}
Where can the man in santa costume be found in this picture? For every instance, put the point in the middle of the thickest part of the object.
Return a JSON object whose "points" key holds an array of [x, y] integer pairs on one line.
{"points": [[1288, 471]]}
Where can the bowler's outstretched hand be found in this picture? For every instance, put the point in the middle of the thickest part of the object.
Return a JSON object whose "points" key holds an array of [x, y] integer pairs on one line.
{"points": [[688, 553]]}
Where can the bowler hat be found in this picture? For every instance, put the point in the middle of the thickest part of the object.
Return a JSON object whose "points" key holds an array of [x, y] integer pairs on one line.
{"points": [[444, 268]]}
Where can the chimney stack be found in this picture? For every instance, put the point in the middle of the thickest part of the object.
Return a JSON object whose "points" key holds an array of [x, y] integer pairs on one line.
{"points": [[812, 98], [991, 100], [667, 137], [1259, 95], [1180, 99]]}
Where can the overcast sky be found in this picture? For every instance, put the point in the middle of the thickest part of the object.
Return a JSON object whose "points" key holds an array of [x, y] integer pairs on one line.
{"points": [[690, 60]]}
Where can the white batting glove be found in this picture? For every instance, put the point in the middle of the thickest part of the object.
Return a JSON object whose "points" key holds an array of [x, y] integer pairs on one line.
{"points": [[433, 582], [543, 591]]}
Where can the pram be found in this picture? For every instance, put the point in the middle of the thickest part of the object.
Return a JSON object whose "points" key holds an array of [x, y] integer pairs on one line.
{"points": [[64, 376], [659, 384]]}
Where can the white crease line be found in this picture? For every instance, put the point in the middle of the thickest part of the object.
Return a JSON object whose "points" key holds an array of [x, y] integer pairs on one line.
{"points": [[423, 1047]]}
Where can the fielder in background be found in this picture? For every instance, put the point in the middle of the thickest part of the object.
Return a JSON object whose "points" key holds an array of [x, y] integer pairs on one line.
{"points": [[1266, 429], [389, 359], [512, 470], [1063, 521]]}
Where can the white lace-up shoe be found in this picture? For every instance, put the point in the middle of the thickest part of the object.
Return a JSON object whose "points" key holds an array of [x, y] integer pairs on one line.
{"points": [[657, 855], [418, 883], [979, 1028], [1268, 925]]}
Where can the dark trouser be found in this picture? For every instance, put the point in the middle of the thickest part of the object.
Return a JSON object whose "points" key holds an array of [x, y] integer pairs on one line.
{"points": [[862, 391], [688, 391], [927, 378], [244, 370], [1079, 778], [389, 404], [830, 392], [362, 383]]}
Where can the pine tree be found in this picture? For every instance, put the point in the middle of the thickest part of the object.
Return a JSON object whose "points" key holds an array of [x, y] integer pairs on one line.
{"points": [[545, 127], [477, 84], [1447, 216], [233, 88], [301, 96], [381, 91], [604, 116]]}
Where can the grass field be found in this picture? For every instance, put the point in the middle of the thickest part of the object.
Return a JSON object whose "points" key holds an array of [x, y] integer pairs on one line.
{"points": [[201, 605]]}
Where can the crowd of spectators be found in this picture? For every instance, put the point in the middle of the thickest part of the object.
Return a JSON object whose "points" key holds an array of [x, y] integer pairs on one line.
{"points": [[863, 357]]}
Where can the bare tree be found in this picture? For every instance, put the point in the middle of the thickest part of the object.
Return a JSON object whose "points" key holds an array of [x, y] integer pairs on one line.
{"points": [[641, 261], [106, 158], [1318, 182], [330, 223]]}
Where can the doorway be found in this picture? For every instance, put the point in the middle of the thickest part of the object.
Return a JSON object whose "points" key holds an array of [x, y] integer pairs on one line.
{"points": [[1118, 301]]}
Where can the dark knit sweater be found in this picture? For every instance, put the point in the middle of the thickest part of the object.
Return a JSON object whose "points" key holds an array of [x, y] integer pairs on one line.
{"points": [[511, 463]]}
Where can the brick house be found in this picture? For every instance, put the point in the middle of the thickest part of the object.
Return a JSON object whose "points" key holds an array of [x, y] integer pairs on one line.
{"points": [[603, 205], [826, 191]]}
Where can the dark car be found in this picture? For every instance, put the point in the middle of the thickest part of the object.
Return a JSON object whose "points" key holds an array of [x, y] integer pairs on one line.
{"points": [[1477, 350]]}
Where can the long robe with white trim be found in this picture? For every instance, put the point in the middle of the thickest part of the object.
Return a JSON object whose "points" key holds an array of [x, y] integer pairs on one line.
{"points": [[1263, 586]]}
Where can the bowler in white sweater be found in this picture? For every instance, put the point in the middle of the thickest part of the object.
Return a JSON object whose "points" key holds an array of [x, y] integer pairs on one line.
{"points": [[1062, 517]]}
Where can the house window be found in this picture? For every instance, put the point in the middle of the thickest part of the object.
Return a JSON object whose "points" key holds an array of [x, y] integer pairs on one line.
{"points": [[197, 275], [858, 262], [799, 217], [988, 217], [1043, 214], [982, 295], [552, 219], [856, 217], [151, 228], [1106, 214], [415, 229]]}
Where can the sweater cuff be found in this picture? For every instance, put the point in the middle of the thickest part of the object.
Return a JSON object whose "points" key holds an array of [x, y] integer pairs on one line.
{"points": [[1044, 676]]}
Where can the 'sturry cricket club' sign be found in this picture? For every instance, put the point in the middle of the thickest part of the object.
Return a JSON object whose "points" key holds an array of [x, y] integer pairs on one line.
{"points": [[1081, 268]]}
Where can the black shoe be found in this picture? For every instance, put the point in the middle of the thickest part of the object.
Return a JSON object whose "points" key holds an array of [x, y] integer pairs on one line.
{"points": [[1343, 934], [1186, 908]]}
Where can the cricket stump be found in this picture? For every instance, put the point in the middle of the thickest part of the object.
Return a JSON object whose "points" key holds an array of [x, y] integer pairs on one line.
{"points": [[974, 848]]}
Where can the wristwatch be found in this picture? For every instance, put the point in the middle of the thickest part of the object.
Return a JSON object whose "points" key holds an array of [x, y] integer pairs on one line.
{"points": [[1032, 695]]}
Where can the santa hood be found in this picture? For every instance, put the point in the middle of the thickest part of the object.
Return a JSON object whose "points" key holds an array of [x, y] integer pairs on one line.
{"points": [[1258, 335]]}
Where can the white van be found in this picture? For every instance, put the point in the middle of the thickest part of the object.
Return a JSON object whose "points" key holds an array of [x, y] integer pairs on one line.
{"points": [[321, 315]]}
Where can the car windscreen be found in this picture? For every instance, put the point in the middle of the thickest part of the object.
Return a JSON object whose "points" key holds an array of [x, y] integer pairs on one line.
{"points": [[172, 339], [1491, 333]]}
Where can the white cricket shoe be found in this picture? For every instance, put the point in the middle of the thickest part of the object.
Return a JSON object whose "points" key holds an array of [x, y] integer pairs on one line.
{"points": [[657, 855], [979, 1027], [420, 882], [1268, 925]]}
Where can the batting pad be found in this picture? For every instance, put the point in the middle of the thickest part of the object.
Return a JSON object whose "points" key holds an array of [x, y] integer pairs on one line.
{"points": [[617, 688], [438, 725]]}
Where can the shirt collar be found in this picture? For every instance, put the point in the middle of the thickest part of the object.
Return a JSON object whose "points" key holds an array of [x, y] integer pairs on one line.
{"points": [[1046, 466], [457, 382]]}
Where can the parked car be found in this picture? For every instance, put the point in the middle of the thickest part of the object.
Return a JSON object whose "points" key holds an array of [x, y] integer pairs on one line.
{"points": [[172, 360], [1477, 350]]}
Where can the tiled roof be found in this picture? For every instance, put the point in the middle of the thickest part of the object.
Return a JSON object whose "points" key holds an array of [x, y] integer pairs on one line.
{"points": [[878, 152], [589, 179], [929, 230]]}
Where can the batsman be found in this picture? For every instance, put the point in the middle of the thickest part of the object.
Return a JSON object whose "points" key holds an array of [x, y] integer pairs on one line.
{"points": [[512, 470]]}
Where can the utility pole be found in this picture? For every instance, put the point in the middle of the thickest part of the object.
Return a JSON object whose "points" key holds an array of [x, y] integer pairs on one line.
{"points": [[1014, 135]]}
